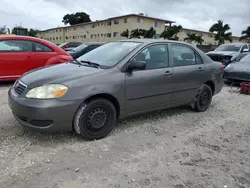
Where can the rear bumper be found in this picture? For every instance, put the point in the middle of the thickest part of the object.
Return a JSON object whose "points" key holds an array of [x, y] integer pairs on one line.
{"points": [[236, 76], [43, 115]]}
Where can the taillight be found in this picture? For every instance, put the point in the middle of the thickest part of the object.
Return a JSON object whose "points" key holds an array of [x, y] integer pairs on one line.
{"points": [[222, 68]]}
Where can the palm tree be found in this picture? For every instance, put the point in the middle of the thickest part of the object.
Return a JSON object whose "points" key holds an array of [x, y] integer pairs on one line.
{"points": [[190, 37], [149, 33], [221, 35], [171, 32], [194, 37], [199, 39], [246, 34], [136, 33], [125, 33]]}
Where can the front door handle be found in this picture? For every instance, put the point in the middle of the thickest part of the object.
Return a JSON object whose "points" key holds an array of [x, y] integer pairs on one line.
{"points": [[167, 73]]}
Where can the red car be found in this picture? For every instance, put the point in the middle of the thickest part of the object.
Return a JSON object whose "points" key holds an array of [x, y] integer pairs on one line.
{"points": [[19, 54]]}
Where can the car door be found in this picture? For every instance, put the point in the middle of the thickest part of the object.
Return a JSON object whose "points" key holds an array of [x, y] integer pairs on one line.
{"points": [[13, 58], [151, 88], [39, 56], [188, 74]]}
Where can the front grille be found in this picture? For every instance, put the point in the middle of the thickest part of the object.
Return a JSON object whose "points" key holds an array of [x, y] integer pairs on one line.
{"points": [[19, 87], [221, 58], [23, 118], [216, 57]]}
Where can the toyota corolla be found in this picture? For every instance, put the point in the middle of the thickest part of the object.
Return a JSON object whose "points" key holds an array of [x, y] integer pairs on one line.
{"points": [[116, 80]]}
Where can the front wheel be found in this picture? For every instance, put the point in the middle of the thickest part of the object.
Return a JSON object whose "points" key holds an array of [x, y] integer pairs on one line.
{"points": [[95, 119], [204, 98]]}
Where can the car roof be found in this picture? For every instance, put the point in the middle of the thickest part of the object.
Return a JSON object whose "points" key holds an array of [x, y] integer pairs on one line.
{"points": [[16, 37], [90, 43], [149, 41]]}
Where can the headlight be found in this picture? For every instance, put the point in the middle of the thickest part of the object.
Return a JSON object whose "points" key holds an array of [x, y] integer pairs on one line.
{"points": [[49, 91]]}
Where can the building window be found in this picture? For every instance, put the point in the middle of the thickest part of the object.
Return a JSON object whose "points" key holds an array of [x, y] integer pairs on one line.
{"points": [[116, 21], [115, 34], [125, 20], [101, 35], [60, 38], [67, 37], [56, 38], [108, 34], [139, 20], [91, 36], [109, 23], [157, 24]]}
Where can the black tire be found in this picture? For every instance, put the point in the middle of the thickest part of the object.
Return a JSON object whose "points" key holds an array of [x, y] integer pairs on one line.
{"points": [[204, 98], [95, 119]]}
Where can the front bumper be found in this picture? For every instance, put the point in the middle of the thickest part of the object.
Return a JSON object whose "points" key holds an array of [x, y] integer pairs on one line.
{"points": [[51, 115]]}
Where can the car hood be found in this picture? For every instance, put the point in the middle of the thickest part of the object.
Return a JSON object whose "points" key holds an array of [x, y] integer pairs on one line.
{"points": [[57, 74], [222, 53], [239, 67]]}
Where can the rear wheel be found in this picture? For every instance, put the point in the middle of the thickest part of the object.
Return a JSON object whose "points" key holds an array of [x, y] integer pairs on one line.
{"points": [[204, 98], [95, 119]]}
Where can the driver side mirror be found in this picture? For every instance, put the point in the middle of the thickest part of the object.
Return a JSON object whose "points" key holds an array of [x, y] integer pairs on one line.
{"points": [[136, 65]]}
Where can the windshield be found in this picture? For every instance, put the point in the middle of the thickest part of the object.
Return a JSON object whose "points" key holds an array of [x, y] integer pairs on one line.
{"points": [[80, 48], [246, 59], [109, 54], [229, 47]]}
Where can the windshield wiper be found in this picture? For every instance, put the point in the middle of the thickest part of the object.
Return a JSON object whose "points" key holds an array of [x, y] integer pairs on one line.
{"points": [[76, 61], [91, 64]]}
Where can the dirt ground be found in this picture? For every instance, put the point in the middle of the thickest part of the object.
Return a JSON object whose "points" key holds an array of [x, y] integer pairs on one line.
{"points": [[175, 148]]}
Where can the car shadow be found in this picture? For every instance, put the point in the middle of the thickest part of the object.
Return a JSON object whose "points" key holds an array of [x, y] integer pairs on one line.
{"points": [[53, 139], [6, 83], [152, 116]]}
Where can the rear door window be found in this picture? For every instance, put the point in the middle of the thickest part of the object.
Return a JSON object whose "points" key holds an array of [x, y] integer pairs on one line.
{"points": [[38, 47], [183, 56]]}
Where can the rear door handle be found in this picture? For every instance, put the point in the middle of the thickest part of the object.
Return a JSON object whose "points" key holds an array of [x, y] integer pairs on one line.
{"points": [[200, 69], [167, 73]]}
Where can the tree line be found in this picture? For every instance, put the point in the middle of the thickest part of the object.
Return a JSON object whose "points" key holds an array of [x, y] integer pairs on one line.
{"points": [[220, 30]]}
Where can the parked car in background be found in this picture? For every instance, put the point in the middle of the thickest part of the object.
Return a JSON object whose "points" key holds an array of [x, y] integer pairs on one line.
{"points": [[116, 80], [238, 57], [225, 52], [84, 48], [19, 54], [239, 71], [67, 46]]}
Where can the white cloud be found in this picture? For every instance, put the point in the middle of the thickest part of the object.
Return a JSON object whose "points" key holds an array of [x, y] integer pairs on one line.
{"points": [[193, 14]]}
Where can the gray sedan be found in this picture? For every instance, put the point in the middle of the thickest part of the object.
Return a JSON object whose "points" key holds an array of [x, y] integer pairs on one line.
{"points": [[239, 71], [116, 80]]}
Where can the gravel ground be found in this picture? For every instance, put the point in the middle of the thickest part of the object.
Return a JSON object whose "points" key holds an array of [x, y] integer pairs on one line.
{"points": [[175, 148]]}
